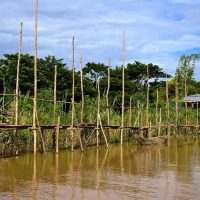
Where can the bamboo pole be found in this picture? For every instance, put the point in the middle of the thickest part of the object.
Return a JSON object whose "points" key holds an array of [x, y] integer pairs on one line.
{"points": [[17, 78], [54, 109], [55, 93], [57, 134], [160, 122], [157, 99], [123, 66], [186, 117], [4, 91], [35, 79], [41, 131], [197, 113], [177, 97], [73, 84], [103, 131], [98, 114], [107, 94], [167, 98], [82, 92], [130, 112], [73, 87], [147, 106], [80, 140]]}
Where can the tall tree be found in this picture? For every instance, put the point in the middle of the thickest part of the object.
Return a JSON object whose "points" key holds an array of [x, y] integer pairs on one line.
{"points": [[186, 68]]}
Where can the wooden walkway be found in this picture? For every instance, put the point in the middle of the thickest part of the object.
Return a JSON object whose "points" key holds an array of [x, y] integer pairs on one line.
{"points": [[69, 127], [93, 126]]}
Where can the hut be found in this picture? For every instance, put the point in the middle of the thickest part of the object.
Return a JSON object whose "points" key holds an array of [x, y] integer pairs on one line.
{"points": [[192, 100]]}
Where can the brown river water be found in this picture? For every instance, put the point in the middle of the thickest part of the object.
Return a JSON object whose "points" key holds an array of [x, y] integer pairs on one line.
{"points": [[121, 172]]}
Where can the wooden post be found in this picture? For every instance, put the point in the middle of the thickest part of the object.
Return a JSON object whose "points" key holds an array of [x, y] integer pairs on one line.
{"points": [[99, 123], [197, 113], [186, 117], [123, 66], [41, 135], [177, 97], [103, 131], [55, 93], [157, 98], [35, 79], [130, 112], [167, 99], [43, 141], [54, 109], [107, 94], [17, 78], [82, 92], [4, 92], [73, 87], [98, 114], [160, 122], [57, 133], [147, 106]]}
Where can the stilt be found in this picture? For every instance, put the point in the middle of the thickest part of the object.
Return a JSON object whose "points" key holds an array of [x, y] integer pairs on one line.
{"points": [[57, 134], [35, 81], [73, 106], [17, 78], [123, 66], [98, 114], [54, 108]]}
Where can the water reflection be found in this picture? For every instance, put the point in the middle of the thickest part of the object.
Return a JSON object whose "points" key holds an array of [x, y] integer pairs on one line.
{"points": [[121, 172]]}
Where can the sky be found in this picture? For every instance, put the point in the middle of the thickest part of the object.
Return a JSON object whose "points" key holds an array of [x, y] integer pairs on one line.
{"points": [[157, 31]]}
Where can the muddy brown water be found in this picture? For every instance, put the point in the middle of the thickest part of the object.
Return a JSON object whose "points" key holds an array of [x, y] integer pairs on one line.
{"points": [[121, 172]]}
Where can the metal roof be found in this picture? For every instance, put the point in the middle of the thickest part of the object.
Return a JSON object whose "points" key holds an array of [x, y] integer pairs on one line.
{"points": [[192, 98]]}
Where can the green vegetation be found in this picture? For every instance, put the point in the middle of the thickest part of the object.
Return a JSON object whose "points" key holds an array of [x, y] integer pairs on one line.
{"points": [[136, 82]]}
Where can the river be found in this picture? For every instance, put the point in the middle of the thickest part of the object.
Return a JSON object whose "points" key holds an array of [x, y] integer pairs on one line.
{"points": [[121, 172]]}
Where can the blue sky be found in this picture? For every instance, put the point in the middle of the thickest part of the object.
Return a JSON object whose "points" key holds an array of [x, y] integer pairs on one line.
{"points": [[157, 31]]}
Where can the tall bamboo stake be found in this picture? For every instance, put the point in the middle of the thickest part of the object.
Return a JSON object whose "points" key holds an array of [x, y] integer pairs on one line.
{"points": [[82, 92], [55, 92], [197, 113], [99, 123], [73, 86], [98, 114], [107, 93], [186, 117], [54, 109], [147, 106], [35, 79], [130, 112], [157, 99], [57, 133], [177, 96], [160, 122], [4, 92], [123, 66], [167, 98], [17, 78]]}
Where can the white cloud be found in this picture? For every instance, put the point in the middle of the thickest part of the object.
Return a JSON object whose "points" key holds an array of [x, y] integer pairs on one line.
{"points": [[155, 30]]}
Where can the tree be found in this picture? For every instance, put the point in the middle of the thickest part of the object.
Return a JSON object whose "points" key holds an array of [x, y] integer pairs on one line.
{"points": [[185, 71], [95, 71]]}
